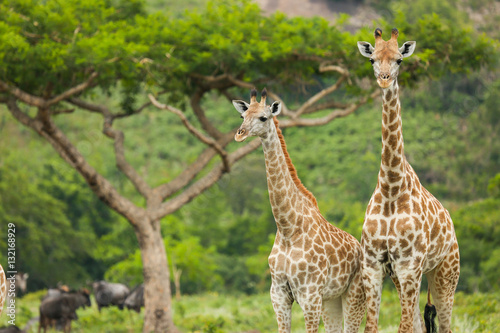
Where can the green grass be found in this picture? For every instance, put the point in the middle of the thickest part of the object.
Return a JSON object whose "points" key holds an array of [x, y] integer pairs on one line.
{"points": [[211, 312]]}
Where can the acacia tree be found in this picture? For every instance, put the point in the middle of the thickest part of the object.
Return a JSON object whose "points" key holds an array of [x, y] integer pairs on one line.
{"points": [[57, 55]]}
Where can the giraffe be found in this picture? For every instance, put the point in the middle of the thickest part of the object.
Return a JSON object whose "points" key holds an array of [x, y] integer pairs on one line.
{"points": [[3, 288], [312, 262], [406, 232]]}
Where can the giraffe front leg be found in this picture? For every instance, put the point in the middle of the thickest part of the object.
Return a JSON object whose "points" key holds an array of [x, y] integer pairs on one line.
{"points": [[443, 282], [282, 300], [373, 276]]}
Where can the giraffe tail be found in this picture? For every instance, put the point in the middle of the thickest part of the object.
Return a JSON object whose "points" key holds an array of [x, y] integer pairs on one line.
{"points": [[430, 314]]}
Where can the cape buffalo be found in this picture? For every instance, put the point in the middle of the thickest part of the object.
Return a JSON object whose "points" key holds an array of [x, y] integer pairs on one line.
{"points": [[135, 300], [108, 294], [62, 308]]}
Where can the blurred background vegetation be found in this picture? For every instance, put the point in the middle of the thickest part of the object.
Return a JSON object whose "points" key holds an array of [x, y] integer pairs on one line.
{"points": [[221, 240]]}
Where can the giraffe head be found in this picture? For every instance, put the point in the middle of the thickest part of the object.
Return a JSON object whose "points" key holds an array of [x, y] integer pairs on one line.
{"points": [[257, 116], [386, 56]]}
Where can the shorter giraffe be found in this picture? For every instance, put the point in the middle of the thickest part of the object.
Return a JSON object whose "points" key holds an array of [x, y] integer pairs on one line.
{"points": [[3, 288], [312, 262]]}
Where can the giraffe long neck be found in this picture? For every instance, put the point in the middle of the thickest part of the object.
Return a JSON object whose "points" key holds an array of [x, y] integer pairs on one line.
{"points": [[287, 194], [392, 178]]}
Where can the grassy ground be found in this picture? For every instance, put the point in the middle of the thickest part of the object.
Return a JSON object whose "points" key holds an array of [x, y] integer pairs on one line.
{"points": [[239, 313]]}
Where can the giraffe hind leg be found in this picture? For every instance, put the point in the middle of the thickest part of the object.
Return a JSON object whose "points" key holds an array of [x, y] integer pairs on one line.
{"points": [[332, 315], [354, 304], [373, 277], [418, 321], [443, 281], [410, 278]]}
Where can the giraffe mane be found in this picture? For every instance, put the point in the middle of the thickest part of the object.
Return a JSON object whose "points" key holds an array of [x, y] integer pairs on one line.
{"points": [[291, 167]]}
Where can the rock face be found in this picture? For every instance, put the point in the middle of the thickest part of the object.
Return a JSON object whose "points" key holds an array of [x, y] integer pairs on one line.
{"points": [[330, 10]]}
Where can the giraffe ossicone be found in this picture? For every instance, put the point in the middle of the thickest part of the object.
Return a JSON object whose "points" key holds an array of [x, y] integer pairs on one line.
{"points": [[406, 233], [312, 262]]}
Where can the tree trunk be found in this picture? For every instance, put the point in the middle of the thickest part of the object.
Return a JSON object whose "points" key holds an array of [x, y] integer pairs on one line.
{"points": [[177, 281], [157, 295]]}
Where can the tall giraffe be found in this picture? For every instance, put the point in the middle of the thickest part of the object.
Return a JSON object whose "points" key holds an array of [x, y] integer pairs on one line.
{"points": [[407, 232], [312, 262], [3, 288]]}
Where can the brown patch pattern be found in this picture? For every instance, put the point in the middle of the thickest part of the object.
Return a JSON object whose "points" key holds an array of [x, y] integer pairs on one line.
{"points": [[291, 167], [407, 232]]}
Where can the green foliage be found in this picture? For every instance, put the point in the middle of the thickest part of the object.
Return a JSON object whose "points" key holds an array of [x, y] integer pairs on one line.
{"points": [[446, 9], [196, 262], [478, 230], [477, 226], [479, 313], [63, 42], [222, 239], [51, 233], [494, 186], [127, 271]]}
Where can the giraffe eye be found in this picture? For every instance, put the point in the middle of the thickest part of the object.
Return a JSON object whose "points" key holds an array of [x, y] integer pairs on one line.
{"points": [[372, 61], [399, 61], [263, 119]]}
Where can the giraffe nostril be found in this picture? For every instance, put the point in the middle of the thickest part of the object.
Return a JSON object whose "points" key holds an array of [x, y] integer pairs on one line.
{"points": [[241, 131], [385, 76]]}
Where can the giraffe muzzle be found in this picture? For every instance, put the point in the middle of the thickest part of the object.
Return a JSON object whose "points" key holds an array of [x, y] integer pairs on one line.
{"points": [[240, 135], [384, 80]]}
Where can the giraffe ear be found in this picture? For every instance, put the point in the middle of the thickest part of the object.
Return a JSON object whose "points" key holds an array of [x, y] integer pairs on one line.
{"points": [[407, 49], [276, 108], [241, 106], [366, 49]]}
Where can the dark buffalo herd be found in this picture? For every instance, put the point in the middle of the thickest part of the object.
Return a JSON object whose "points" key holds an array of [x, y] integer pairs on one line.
{"points": [[60, 309], [59, 305]]}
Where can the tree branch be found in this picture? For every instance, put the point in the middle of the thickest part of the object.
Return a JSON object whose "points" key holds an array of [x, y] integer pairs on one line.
{"points": [[200, 114], [202, 184], [57, 112], [206, 140], [139, 110], [311, 101], [22, 96], [185, 177], [168, 189], [44, 103], [121, 162], [326, 119], [333, 68], [118, 138], [89, 106], [284, 109], [73, 91], [324, 106], [100, 185]]}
